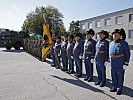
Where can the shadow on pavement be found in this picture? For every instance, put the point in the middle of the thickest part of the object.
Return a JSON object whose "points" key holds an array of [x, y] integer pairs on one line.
{"points": [[126, 90], [82, 84]]}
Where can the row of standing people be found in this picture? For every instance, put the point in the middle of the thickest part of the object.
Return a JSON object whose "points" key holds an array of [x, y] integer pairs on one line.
{"points": [[100, 52], [33, 47]]}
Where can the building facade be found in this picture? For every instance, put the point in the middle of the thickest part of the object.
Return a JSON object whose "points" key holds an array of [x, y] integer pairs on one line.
{"points": [[111, 21]]}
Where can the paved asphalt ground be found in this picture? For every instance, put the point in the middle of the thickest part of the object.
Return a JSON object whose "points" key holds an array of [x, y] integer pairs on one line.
{"points": [[23, 77]]}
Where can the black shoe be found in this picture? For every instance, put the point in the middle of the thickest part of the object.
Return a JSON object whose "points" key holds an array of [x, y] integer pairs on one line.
{"points": [[102, 84], [118, 92], [57, 67], [44, 60], [85, 79], [53, 65], [71, 72], [79, 75], [113, 90], [97, 83], [89, 80], [67, 71], [62, 69], [75, 75]]}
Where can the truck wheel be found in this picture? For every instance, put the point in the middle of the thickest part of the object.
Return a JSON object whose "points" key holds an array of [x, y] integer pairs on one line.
{"points": [[8, 48], [17, 46]]}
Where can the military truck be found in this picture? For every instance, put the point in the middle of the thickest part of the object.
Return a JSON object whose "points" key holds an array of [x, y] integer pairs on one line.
{"points": [[9, 39]]}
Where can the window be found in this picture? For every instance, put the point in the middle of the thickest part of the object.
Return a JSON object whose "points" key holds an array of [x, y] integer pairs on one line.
{"points": [[108, 22], [98, 23], [83, 26], [118, 20], [130, 17], [90, 25], [130, 34]]}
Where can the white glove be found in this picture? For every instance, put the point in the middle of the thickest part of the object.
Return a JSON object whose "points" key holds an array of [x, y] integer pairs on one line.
{"points": [[54, 47], [71, 57], [124, 67], [80, 57], [56, 44], [86, 58], [106, 63], [92, 60], [59, 55]]}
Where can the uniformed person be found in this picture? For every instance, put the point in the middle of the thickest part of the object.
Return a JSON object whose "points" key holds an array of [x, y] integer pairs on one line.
{"points": [[40, 48], [44, 44], [119, 53], [89, 53], [57, 48], [52, 53], [29, 46], [78, 54], [102, 57], [36, 48], [69, 50], [64, 53]]}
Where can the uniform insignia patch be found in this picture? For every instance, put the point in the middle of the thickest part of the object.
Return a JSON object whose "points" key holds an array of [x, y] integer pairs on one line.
{"points": [[89, 43], [118, 44]]}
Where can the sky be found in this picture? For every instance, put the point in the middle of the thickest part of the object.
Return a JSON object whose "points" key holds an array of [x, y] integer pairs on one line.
{"points": [[13, 12]]}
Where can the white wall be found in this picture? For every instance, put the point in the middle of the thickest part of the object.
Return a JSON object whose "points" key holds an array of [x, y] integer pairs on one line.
{"points": [[125, 24], [131, 58]]}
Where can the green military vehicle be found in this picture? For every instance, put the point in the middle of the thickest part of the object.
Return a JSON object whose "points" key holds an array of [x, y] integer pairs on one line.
{"points": [[9, 39]]}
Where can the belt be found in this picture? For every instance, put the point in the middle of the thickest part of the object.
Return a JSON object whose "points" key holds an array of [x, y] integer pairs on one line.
{"points": [[63, 49], [101, 51], [76, 50], [88, 52], [56, 49], [117, 56], [69, 50]]}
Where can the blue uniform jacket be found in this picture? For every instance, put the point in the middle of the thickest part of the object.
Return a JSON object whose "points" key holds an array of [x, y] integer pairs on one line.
{"points": [[102, 49], [89, 49], [78, 49], [116, 50], [51, 49], [69, 50], [57, 48], [63, 48]]}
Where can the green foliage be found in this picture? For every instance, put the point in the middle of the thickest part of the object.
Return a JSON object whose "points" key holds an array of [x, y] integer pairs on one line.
{"points": [[35, 20], [74, 27]]}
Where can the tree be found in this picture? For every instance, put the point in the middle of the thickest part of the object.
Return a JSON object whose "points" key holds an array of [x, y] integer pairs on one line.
{"points": [[74, 27], [35, 20]]}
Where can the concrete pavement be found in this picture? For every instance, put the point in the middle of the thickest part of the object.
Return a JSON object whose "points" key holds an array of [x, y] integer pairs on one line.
{"points": [[23, 77]]}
